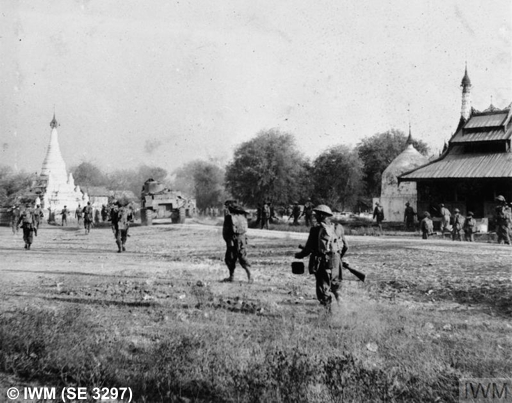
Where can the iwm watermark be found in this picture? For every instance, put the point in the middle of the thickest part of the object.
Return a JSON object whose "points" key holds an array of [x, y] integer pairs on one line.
{"points": [[485, 390], [70, 394]]}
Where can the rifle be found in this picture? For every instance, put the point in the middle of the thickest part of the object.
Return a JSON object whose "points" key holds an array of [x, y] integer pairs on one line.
{"points": [[358, 274]]}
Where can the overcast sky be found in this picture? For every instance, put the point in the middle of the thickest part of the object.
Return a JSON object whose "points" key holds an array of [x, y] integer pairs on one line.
{"points": [[165, 82]]}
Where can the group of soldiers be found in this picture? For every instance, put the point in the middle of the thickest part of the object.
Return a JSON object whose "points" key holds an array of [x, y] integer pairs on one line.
{"points": [[265, 213], [119, 214], [326, 245], [462, 227]]}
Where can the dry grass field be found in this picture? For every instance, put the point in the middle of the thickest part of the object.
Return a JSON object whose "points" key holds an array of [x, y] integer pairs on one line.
{"points": [[157, 318]]}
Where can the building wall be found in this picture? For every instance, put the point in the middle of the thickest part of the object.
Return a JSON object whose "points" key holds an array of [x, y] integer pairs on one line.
{"points": [[394, 199]]}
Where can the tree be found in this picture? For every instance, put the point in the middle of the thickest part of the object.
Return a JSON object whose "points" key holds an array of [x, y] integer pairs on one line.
{"points": [[204, 180], [13, 185], [267, 167], [337, 177], [378, 151], [87, 174]]}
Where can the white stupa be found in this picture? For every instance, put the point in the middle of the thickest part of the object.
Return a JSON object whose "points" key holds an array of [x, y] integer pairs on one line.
{"points": [[393, 195], [56, 188]]}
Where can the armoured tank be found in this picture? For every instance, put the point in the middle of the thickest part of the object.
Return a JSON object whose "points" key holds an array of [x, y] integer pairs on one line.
{"points": [[159, 202]]}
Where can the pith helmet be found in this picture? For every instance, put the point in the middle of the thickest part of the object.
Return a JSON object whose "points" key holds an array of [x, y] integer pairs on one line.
{"points": [[500, 198], [322, 208], [457, 210], [426, 214], [470, 213]]}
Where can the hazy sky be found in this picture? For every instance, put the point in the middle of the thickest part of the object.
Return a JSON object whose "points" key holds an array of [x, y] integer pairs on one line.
{"points": [[165, 82]]}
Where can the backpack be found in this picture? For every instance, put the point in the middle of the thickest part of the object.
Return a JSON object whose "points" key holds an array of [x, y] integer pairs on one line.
{"points": [[88, 213], [239, 223], [328, 239]]}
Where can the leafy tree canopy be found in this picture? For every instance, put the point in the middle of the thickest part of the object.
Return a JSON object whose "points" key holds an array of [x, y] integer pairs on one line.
{"points": [[204, 180], [378, 151], [268, 167], [12, 185], [337, 177]]}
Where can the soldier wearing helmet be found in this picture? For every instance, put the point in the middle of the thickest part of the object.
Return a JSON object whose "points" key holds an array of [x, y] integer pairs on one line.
{"points": [[28, 224], [121, 222], [234, 233], [503, 220], [326, 245]]}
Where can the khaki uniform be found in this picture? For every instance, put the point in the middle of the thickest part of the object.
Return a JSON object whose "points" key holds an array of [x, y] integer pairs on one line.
{"points": [[308, 213], [325, 261], [88, 217], [121, 221], [445, 221], [233, 232], [28, 224], [426, 227], [458, 227], [469, 229], [503, 222]]}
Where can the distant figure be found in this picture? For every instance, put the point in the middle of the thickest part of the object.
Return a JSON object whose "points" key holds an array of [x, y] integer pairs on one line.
{"points": [[88, 217], [296, 212], [38, 216], [458, 225], [503, 220], [28, 224], [15, 216], [121, 220], [409, 214], [259, 212], [469, 227], [273, 218], [234, 234], [426, 226], [78, 215], [308, 213], [104, 213], [378, 214], [96, 216], [64, 213], [265, 215], [445, 219]]}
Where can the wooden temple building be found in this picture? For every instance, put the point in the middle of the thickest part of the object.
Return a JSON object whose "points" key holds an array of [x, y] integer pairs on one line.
{"points": [[475, 166]]}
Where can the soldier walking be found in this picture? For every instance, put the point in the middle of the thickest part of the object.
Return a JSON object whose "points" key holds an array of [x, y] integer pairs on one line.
{"points": [[78, 215], [265, 215], [326, 245], [409, 214], [121, 220], [378, 213], [308, 213], [458, 225], [38, 216], [64, 213], [28, 224], [234, 234], [503, 220], [296, 213], [469, 228], [15, 216], [88, 217]]}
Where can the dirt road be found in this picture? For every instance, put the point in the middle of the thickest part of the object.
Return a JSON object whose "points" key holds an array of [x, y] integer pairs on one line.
{"points": [[62, 260]]}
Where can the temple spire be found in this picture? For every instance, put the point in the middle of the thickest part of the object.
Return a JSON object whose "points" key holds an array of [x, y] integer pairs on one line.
{"points": [[409, 139], [466, 95], [54, 123]]}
